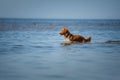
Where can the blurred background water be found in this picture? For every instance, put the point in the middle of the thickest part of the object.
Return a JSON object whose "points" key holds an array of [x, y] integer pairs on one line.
{"points": [[30, 49]]}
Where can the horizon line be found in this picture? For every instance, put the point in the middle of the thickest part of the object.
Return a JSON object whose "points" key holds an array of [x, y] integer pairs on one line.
{"points": [[62, 18]]}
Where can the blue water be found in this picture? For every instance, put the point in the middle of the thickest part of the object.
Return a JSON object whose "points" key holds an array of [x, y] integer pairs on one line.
{"points": [[32, 50]]}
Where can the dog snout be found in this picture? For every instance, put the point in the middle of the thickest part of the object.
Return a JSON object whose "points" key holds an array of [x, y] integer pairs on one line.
{"points": [[60, 33]]}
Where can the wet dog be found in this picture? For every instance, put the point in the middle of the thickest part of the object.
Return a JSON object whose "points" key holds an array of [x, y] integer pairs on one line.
{"points": [[73, 37]]}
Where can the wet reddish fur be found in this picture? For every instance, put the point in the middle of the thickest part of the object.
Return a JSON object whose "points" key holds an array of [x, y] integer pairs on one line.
{"points": [[73, 37]]}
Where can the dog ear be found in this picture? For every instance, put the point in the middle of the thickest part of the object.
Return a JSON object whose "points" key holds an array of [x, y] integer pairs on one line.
{"points": [[65, 28]]}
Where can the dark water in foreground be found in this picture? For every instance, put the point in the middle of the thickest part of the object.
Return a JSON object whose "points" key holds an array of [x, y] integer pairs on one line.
{"points": [[32, 50]]}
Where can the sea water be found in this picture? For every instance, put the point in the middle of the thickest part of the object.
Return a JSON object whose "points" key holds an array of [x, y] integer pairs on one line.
{"points": [[31, 49]]}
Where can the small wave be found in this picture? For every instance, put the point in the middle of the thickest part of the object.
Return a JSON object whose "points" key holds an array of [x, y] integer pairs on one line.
{"points": [[18, 46], [107, 42], [55, 76], [113, 42], [38, 46]]}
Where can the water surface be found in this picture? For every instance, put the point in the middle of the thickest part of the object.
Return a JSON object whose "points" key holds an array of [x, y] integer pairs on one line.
{"points": [[32, 50]]}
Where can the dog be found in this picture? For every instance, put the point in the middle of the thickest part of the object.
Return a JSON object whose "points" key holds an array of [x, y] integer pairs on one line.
{"points": [[73, 37]]}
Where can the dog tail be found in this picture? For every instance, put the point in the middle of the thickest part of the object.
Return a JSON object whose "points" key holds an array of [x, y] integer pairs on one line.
{"points": [[88, 39]]}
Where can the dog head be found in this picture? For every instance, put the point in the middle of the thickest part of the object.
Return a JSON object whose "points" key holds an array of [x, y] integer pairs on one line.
{"points": [[63, 31]]}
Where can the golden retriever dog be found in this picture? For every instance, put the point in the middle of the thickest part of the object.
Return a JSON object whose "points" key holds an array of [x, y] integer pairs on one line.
{"points": [[73, 37]]}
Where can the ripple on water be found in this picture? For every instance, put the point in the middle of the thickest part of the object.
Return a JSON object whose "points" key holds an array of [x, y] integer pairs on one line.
{"points": [[55, 76]]}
